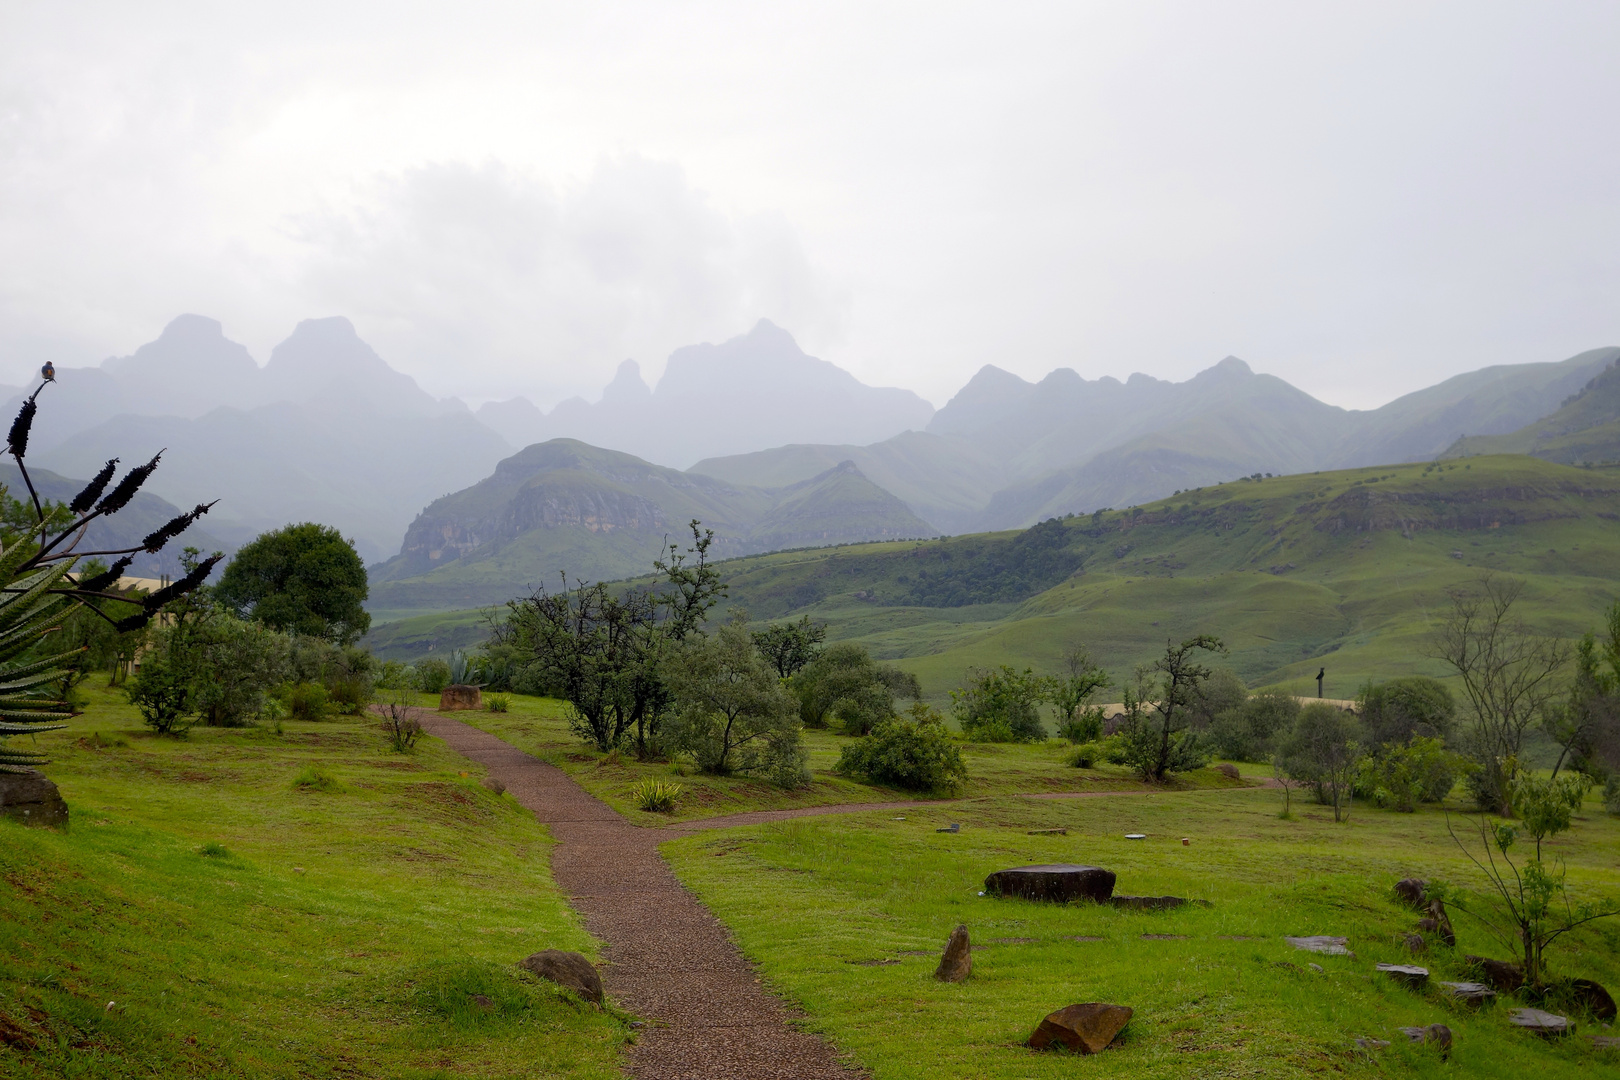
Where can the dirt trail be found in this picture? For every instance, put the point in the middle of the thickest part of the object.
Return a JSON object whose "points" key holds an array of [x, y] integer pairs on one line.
{"points": [[669, 960]]}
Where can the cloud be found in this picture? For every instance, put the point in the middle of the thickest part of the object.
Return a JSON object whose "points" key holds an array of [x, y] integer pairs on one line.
{"points": [[479, 278]]}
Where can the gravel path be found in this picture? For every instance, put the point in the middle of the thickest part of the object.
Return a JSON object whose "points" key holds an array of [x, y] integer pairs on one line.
{"points": [[668, 959]]}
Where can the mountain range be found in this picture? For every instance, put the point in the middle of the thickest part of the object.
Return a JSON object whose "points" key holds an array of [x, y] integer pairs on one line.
{"points": [[1585, 429]]}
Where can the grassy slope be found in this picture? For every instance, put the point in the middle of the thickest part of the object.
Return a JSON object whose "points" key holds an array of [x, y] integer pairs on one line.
{"points": [[538, 726], [1206, 1005], [342, 936]]}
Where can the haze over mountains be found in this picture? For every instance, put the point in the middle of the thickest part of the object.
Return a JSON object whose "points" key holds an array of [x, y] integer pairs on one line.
{"points": [[779, 449]]}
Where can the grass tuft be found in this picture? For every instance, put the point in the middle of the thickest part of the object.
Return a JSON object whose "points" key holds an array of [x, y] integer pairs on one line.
{"points": [[310, 778], [214, 850]]}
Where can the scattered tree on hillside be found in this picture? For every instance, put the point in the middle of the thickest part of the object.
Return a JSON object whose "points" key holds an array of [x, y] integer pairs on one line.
{"points": [[1249, 731], [846, 685], [790, 646], [1324, 751], [1223, 690], [303, 579], [914, 752], [1509, 676], [1158, 734], [731, 712], [1588, 724], [1079, 719], [1400, 710], [1001, 704]]}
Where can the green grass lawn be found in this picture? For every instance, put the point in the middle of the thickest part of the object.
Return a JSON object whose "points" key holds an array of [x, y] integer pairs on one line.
{"points": [[847, 916], [540, 727], [202, 916]]}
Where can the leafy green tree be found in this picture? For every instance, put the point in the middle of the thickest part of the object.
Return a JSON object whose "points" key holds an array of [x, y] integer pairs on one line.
{"points": [[1587, 727], [233, 665], [844, 684], [1324, 751], [1223, 690], [1400, 710], [914, 752], [1001, 704], [790, 646], [1248, 732], [1401, 776], [303, 579], [1080, 720], [732, 713], [1158, 731]]}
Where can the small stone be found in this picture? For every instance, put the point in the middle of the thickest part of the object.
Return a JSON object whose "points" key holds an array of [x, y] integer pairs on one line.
{"points": [[1414, 943], [1406, 974], [459, 697], [1373, 1044], [1328, 946], [1147, 903], [1545, 1024], [1435, 1035], [1318, 968], [1058, 882], [1048, 832], [484, 1003], [569, 970], [953, 827], [1499, 975], [31, 798], [1606, 1042], [956, 963], [1438, 923], [1412, 892], [1591, 997], [1086, 1028], [1470, 993]]}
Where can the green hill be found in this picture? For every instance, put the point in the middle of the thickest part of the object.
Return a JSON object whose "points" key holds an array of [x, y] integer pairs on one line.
{"points": [[1586, 428], [563, 507], [1346, 570]]}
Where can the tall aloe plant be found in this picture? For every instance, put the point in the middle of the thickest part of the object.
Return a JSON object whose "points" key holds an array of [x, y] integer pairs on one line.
{"points": [[39, 589]]}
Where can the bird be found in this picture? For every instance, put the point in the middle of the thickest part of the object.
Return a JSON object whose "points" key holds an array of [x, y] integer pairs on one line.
{"points": [[48, 372]]}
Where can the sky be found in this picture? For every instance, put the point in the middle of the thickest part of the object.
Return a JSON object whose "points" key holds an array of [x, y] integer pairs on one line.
{"points": [[511, 198]]}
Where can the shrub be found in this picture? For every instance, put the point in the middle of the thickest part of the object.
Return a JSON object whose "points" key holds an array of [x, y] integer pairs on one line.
{"points": [[162, 691], [1401, 709], [432, 674], [213, 850], [306, 701], [1611, 794], [1400, 777], [845, 684], [1001, 705], [313, 779], [1247, 732], [1222, 691], [498, 703], [1086, 755], [1323, 751], [656, 796], [1085, 726], [914, 752]]}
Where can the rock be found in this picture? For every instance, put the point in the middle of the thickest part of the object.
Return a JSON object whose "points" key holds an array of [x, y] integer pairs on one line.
{"points": [[1373, 1044], [1591, 997], [1545, 1024], [1470, 993], [457, 696], [1228, 771], [1605, 1042], [1086, 1028], [30, 798], [1435, 1035], [1412, 892], [1499, 975], [1415, 944], [1438, 923], [956, 963], [1406, 974], [1148, 903], [568, 970], [1058, 882], [483, 1002], [1329, 946], [1318, 968]]}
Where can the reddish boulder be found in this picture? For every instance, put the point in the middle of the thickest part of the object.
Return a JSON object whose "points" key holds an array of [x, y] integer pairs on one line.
{"points": [[457, 696], [568, 970], [1086, 1028], [957, 962]]}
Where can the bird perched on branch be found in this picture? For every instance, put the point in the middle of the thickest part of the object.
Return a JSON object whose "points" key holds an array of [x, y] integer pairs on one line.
{"points": [[48, 372]]}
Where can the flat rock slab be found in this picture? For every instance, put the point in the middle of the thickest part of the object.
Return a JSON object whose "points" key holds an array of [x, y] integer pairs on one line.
{"points": [[1057, 882], [1086, 1028], [1542, 1023], [1318, 943], [1406, 974], [1434, 1035], [1472, 993], [1152, 903]]}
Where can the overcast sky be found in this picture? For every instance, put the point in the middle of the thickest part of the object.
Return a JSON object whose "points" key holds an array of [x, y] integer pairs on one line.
{"points": [[511, 198]]}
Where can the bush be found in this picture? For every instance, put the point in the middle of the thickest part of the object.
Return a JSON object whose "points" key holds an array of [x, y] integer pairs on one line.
{"points": [[306, 701], [498, 703], [1401, 709], [845, 684], [162, 691], [913, 752], [1400, 777], [313, 779], [1611, 794], [1086, 755], [432, 675], [1001, 705], [1247, 732], [656, 796], [1085, 726], [1323, 751], [1222, 691]]}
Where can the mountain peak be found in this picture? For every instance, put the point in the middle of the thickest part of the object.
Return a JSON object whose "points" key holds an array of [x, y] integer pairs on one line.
{"points": [[1233, 366], [192, 328], [627, 386]]}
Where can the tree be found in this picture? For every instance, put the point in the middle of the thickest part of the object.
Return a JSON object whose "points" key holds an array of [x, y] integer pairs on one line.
{"points": [[1158, 734], [914, 752], [1323, 751], [1249, 731], [303, 579], [1588, 724], [1403, 709], [1001, 705], [1509, 676], [1223, 690], [1079, 720], [731, 712], [845, 684], [790, 646], [397, 687]]}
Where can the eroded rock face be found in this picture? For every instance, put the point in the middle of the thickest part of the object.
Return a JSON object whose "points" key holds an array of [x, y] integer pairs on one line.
{"points": [[569, 970], [1499, 975], [458, 697], [1593, 998], [1058, 882], [32, 799], [957, 962], [1086, 1028], [1406, 974]]}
